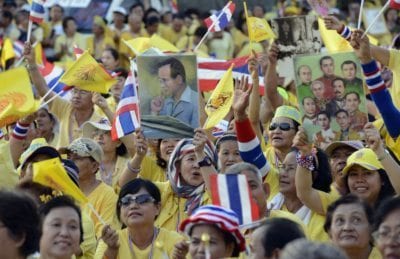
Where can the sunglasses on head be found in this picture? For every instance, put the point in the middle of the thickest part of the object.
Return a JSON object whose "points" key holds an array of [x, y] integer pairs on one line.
{"points": [[285, 126], [140, 199]]}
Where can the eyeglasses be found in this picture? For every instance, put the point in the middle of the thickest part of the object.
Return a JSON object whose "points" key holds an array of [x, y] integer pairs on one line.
{"points": [[386, 235], [139, 200], [285, 126]]}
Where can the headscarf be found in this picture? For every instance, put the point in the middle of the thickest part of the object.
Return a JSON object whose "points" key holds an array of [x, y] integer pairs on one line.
{"points": [[193, 194]]}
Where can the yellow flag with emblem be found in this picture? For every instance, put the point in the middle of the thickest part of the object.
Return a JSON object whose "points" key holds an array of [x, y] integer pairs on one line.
{"points": [[16, 96], [220, 101], [334, 42], [87, 74], [138, 45], [259, 29], [52, 173], [162, 44]]}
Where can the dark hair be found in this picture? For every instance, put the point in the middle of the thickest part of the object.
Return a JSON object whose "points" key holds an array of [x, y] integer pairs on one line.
{"points": [[61, 202], [159, 160], [59, 6], [35, 190], [66, 20], [338, 79], [349, 62], [150, 13], [178, 16], [136, 5], [386, 191], [353, 92], [345, 200], [305, 97], [322, 175], [113, 52], [121, 150], [324, 113], [176, 68], [121, 71], [387, 207], [19, 215], [133, 187], [200, 31], [340, 111], [7, 14], [324, 58], [225, 137], [151, 21], [277, 232]]}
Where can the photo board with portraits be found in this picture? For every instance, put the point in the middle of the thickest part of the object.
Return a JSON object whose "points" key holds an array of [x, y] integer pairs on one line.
{"points": [[168, 86], [296, 35], [331, 97]]}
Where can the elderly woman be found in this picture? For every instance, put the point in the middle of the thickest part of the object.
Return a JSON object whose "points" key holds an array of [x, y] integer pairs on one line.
{"points": [[19, 231], [228, 151], [214, 233], [349, 225], [287, 199], [138, 206], [387, 228], [185, 190], [61, 225]]}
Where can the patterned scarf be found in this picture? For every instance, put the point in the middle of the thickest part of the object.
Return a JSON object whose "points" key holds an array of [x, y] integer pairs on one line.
{"points": [[193, 194]]}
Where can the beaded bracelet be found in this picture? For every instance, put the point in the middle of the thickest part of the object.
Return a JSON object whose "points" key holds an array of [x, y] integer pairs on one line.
{"points": [[131, 169], [306, 162], [20, 131]]}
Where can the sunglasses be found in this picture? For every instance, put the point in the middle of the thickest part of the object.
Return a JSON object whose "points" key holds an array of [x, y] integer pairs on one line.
{"points": [[285, 126], [139, 200]]}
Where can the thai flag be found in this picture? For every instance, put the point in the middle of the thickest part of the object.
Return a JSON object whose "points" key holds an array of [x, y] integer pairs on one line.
{"points": [[52, 74], [220, 128], [18, 47], [232, 191], [395, 4], [210, 71], [220, 20], [37, 13], [127, 115]]}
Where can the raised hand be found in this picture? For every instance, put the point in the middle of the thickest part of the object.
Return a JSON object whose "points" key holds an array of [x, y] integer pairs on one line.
{"points": [[241, 97], [110, 237], [373, 139], [333, 23], [180, 250], [273, 54], [361, 46], [300, 141], [253, 64], [99, 100], [140, 144], [156, 104], [28, 53]]}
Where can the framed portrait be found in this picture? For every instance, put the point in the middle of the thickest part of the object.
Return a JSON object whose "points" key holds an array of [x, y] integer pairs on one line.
{"points": [[331, 97], [296, 35], [168, 86], [379, 26]]}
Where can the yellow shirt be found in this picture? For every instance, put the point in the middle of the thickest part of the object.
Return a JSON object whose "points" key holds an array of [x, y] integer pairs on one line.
{"points": [[69, 129], [394, 65], [151, 171], [8, 174], [273, 175], [88, 246], [393, 145], [97, 49], [78, 39], [119, 168], [104, 201], [166, 237], [172, 211], [172, 36]]}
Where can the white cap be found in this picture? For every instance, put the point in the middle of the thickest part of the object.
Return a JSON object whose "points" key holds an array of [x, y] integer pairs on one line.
{"points": [[120, 10]]}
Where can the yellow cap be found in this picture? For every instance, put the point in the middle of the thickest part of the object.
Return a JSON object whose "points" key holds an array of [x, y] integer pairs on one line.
{"points": [[288, 112], [364, 157]]}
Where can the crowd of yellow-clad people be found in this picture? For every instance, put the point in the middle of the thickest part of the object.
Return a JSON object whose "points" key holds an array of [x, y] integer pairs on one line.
{"points": [[151, 198]]}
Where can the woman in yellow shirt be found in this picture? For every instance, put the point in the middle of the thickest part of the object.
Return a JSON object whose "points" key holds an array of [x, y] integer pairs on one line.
{"points": [[139, 204], [184, 191], [101, 38]]}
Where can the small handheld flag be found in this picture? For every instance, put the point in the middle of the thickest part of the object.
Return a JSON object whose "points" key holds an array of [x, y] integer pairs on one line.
{"points": [[220, 20]]}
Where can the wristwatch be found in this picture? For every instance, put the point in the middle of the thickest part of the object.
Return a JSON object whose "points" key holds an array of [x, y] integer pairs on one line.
{"points": [[205, 162]]}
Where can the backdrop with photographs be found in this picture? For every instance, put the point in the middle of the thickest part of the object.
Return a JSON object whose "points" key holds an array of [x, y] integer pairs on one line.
{"points": [[331, 97], [296, 35], [168, 87]]}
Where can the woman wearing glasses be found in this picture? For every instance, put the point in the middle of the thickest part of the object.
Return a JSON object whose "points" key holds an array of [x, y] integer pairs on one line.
{"points": [[139, 204], [282, 130], [387, 228]]}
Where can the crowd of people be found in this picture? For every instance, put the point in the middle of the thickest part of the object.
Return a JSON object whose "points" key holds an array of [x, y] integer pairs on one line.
{"points": [[152, 198]]}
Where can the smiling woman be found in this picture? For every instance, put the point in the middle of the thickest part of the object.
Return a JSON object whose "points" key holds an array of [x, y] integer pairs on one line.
{"points": [[137, 208]]}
